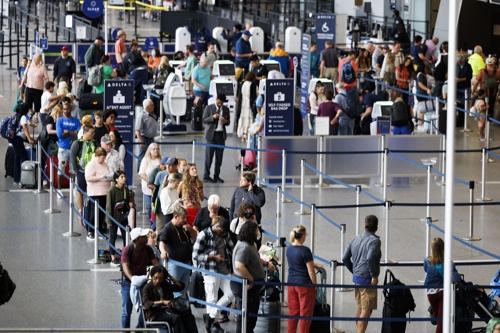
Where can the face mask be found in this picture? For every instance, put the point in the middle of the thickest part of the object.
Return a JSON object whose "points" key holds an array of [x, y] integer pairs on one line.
{"points": [[248, 215], [153, 54]]}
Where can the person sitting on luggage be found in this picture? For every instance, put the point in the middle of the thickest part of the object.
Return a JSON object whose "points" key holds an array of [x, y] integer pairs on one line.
{"points": [[22, 134], [204, 217], [157, 299], [301, 269], [212, 251], [434, 269]]}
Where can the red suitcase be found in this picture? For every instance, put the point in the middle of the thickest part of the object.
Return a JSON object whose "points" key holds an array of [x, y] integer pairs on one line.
{"points": [[65, 181]]}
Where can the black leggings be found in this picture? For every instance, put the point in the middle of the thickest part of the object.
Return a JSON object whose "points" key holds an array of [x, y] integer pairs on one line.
{"points": [[113, 235], [34, 96], [91, 212]]}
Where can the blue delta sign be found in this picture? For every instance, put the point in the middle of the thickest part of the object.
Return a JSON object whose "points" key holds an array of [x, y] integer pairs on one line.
{"points": [[93, 8]]}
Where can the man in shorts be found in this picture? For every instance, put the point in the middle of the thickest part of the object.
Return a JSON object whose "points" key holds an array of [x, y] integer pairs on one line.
{"points": [[362, 259], [67, 128]]}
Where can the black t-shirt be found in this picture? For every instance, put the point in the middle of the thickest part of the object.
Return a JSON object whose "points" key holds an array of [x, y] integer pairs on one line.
{"points": [[203, 220], [370, 99], [99, 133], [260, 71], [178, 243], [423, 79], [51, 121]]}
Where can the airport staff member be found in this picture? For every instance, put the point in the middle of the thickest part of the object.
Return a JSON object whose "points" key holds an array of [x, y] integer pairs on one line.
{"points": [[243, 53]]}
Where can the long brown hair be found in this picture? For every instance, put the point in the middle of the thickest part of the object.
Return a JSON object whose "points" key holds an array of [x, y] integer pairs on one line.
{"points": [[187, 179], [437, 251]]}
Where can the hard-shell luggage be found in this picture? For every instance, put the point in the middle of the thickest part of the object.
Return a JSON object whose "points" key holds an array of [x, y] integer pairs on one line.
{"points": [[197, 288], [91, 102], [189, 105], [9, 162], [265, 324], [65, 181], [196, 119], [83, 88], [29, 174], [321, 307]]}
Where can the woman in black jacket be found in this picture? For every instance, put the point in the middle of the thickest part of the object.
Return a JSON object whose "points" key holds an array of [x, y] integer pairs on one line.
{"points": [[400, 115]]}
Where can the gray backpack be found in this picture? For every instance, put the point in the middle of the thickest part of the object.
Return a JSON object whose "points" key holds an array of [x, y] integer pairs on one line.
{"points": [[95, 76]]}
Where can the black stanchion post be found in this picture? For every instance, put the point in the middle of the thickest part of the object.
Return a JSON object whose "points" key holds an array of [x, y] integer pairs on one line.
{"points": [[135, 25], [26, 31], [2, 41], [471, 237], [358, 192], [283, 267]]}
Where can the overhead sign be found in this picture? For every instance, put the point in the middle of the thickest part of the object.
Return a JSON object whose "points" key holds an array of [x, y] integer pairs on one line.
{"points": [[37, 38], [44, 43], [114, 34], [151, 43], [305, 77], [93, 8], [119, 95], [279, 107], [325, 30]]}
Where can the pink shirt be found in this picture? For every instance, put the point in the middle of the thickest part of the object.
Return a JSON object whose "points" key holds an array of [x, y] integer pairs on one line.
{"points": [[100, 187], [119, 48], [35, 76]]}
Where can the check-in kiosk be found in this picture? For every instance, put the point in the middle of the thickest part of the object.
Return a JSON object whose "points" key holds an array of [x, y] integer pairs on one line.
{"points": [[257, 39], [226, 87], [174, 64], [380, 109], [217, 34], [271, 65], [174, 103], [293, 40], [182, 38], [326, 82]]}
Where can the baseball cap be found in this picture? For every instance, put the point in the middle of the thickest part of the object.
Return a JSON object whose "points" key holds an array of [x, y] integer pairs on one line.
{"points": [[138, 232], [222, 97], [247, 33], [164, 160], [64, 48], [172, 161], [99, 38], [105, 139]]}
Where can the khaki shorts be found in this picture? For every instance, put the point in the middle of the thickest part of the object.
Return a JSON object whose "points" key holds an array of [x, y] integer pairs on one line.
{"points": [[366, 298], [332, 73]]}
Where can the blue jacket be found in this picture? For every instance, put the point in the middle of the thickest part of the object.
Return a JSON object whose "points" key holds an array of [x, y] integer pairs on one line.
{"points": [[201, 40], [434, 278], [242, 47], [362, 256], [233, 38]]}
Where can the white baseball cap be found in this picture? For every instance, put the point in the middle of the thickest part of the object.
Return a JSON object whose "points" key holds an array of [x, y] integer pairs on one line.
{"points": [[138, 232]]}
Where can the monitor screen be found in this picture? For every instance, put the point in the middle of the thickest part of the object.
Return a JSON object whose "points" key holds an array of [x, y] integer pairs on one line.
{"points": [[227, 70], [385, 110], [225, 88], [273, 67]]}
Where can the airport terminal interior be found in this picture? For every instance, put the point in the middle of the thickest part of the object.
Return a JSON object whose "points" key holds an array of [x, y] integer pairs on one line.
{"points": [[57, 288]]}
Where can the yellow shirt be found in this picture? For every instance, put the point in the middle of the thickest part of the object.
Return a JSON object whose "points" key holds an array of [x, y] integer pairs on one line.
{"points": [[477, 63]]}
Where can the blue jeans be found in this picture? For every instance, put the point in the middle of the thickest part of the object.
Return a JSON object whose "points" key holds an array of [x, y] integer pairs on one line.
{"points": [[312, 121], [182, 274], [142, 152], [202, 94], [401, 130], [147, 202], [346, 126], [20, 155], [127, 306], [140, 77]]}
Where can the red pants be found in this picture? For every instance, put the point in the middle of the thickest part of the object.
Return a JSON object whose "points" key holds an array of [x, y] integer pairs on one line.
{"points": [[300, 303], [436, 301]]}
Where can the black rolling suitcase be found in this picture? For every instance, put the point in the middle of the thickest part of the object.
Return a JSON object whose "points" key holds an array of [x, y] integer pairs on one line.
{"points": [[9, 162], [189, 105], [321, 307], [196, 119], [83, 88], [269, 305], [442, 121], [197, 288], [91, 102]]}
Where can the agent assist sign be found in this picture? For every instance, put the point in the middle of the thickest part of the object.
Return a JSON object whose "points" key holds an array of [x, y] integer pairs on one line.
{"points": [[279, 107]]}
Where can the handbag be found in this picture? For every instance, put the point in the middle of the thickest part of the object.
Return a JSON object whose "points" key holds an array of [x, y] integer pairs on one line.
{"points": [[123, 206], [198, 102], [181, 304]]}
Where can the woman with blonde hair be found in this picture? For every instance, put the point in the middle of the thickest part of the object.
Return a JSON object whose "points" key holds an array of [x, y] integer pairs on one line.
{"points": [[151, 159], [162, 72], [434, 269], [191, 191], [390, 69], [301, 270], [34, 78], [86, 121]]}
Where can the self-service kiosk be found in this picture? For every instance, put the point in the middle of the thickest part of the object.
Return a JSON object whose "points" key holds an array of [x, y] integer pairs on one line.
{"points": [[182, 38], [217, 34], [271, 65], [174, 64], [257, 39], [380, 109], [174, 103], [293, 40], [226, 87], [326, 82]]}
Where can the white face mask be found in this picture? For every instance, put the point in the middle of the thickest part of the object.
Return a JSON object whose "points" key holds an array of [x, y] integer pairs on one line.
{"points": [[153, 54]]}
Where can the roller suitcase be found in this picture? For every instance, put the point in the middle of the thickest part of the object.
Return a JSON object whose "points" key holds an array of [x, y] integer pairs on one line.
{"points": [[197, 288], [189, 105], [91, 102], [9, 162], [196, 119], [28, 174], [83, 88], [265, 324], [321, 308], [65, 181]]}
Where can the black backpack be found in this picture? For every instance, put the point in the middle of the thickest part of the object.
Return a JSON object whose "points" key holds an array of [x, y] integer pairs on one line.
{"points": [[7, 287], [354, 108], [397, 303]]}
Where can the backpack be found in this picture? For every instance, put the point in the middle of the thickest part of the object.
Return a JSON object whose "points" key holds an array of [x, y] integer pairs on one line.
{"points": [[354, 108], [348, 73], [369, 84], [397, 303], [308, 104], [490, 81], [7, 287], [95, 76], [161, 78], [134, 57], [8, 127], [87, 151]]}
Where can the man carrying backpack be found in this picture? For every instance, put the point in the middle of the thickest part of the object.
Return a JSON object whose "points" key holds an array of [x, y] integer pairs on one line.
{"points": [[351, 108], [362, 259], [94, 53], [80, 155], [136, 68], [348, 70]]}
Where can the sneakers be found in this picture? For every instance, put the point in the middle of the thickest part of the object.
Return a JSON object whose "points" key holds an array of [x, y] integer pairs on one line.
{"points": [[216, 328], [218, 180], [208, 321], [115, 263], [45, 183], [90, 236], [60, 195], [481, 137], [419, 129], [208, 180]]}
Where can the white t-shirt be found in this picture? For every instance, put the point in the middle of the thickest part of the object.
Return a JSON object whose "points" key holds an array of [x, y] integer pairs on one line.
{"points": [[45, 101], [20, 132]]}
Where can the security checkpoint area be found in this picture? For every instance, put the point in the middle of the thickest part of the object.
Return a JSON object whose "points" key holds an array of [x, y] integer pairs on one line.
{"points": [[328, 184]]}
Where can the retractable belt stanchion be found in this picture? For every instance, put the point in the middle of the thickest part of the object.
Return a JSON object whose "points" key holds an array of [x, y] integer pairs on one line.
{"points": [[428, 236], [96, 259], [193, 152], [388, 205], [471, 214], [384, 184], [428, 213], [488, 139], [383, 161], [333, 269], [144, 210], [466, 115], [51, 209], [283, 176], [70, 233], [443, 163], [321, 162], [278, 211], [358, 191], [313, 222], [242, 160], [302, 210], [244, 300], [342, 242], [283, 268], [127, 235], [259, 160], [483, 176], [39, 171]]}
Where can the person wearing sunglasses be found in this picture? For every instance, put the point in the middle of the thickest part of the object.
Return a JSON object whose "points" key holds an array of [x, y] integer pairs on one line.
{"points": [[176, 243]]}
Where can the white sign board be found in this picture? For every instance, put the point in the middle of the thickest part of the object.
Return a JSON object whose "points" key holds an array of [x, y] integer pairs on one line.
{"points": [[81, 32], [5, 8], [322, 126], [69, 21]]}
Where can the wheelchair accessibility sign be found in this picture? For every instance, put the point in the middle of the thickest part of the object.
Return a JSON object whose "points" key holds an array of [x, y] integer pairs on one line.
{"points": [[279, 107]]}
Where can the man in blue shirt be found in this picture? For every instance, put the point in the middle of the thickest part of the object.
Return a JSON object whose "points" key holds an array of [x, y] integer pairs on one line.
{"points": [[201, 39], [232, 38], [417, 51], [67, 128], [243, 51], [201, 77]]}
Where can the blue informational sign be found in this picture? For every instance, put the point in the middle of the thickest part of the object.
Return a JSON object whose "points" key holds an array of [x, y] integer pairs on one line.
{"points": [[383, 125], [150, 43], [279, 107], [325, 30], [114, 34], [93, 8], [44, 43], [119, 95], [37, 38], [305, 75]]}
